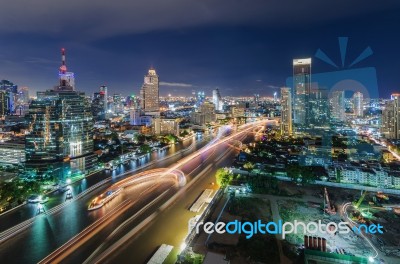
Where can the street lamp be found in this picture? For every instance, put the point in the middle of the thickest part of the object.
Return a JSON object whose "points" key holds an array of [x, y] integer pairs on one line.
{"points": [[370, 259]]}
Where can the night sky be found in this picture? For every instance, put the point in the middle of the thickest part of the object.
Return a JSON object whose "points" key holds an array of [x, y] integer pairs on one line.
{"points": [[240, 46]]}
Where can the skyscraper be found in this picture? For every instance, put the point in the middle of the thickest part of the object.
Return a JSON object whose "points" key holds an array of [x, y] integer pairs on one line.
{"points": [[104, 96], [358, 101], [319, 106], [10, 94], [200, 98], [217, 100], [301, 91], [390, 127], [337, 106], [8, 86], [99, 106], [150, 92], [67, 79], [60, 141], [3, 103], [286, 111], [118, 106]]}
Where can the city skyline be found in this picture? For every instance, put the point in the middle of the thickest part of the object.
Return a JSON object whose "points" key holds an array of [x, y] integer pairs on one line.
{"points": [[183, 132], [244, 64]]}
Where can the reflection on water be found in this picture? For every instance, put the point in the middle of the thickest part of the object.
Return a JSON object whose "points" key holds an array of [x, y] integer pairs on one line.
{"points": [[50, 231]]}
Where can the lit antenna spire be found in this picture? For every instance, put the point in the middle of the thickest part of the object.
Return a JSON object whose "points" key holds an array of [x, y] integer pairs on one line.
{"points": [[63, 67]]}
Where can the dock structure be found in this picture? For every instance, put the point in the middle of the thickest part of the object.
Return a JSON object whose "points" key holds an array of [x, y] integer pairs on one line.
{"points": [[161, 254]]}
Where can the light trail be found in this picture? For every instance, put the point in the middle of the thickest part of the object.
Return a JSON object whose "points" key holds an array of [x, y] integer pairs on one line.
{"points": [[146, 176], [126, 237], [153, 176], [67, 248], [13, 231], [397, 156], [352, 224]]}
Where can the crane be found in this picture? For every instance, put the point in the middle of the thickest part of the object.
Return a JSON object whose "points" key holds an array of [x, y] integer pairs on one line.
{"points": [[361, 199], [328, 208]]}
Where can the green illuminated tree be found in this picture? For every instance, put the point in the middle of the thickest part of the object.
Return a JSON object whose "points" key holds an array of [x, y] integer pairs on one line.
{"points": [[223, 177]]}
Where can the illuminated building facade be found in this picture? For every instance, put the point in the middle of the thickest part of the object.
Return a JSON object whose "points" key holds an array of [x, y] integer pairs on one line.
{"points": [[12, 152], [337, 106], [390, 128], [163, 126], [319, 107], [204, 115], [9, 92], [358, 100], [286, 111], [301, 92], [217, 100], [61, 133], [149, 92], [67, 79], [100, 104], [60, 141]]}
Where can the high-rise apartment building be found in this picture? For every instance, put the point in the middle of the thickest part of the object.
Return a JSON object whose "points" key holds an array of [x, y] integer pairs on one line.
{"points": [[10, 94], [217, 100], [301, 92], [390, 126], [358, 101], [286, 111], [200, 98], [319, 107], [204, 115], [149, 92], [3, 103], [337, 106]]}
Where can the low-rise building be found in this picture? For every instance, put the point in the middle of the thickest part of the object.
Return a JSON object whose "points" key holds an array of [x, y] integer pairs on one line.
{"points": [[12, 152]]}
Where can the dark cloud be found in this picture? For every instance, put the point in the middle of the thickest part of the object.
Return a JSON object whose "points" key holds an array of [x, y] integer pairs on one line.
{"points": [[242, 46], [104, 18]]}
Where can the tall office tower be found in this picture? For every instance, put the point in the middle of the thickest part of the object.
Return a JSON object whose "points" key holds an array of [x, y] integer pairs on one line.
{"points": [[6, 103], [201, 97], [301, 92], [217, 100], [118, 106], [67, 79], [22, 101], [358, 100], [98, 106], [275, 97], [23, 95], [60, 138], [6, 85], [204, 115], [286, 111], [104, 96], [319, 107], [11, 93], [390, 127], [149, 92], [256, 98], [337, 106], [3, 104]]}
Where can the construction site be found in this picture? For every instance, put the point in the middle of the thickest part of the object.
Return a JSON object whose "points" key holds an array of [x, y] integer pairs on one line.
{"points": [[312, 203]]}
